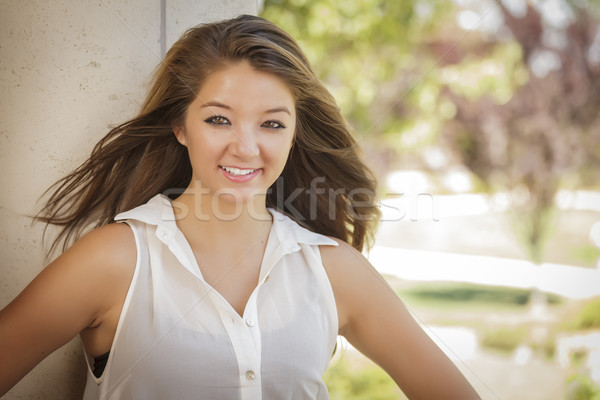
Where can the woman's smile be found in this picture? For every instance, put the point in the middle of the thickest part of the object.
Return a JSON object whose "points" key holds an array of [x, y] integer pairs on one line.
{"points": [[236, 174]]}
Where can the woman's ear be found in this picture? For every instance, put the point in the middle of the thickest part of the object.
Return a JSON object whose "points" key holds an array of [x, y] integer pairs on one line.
{"points": [[179, 132]]}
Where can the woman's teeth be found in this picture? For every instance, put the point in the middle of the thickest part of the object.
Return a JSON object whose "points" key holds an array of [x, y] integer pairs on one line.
{"points": [[237, 171]]}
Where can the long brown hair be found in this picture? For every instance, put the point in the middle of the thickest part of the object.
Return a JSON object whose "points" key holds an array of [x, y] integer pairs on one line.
{"points": [[325, 185]]}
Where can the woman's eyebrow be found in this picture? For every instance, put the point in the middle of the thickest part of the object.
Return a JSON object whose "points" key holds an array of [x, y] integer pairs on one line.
{"points": [[215, 104], [274, 110], [278, 109]]}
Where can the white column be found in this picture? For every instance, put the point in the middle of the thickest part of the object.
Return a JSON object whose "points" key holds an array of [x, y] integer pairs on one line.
{"points": [[69, 70]]}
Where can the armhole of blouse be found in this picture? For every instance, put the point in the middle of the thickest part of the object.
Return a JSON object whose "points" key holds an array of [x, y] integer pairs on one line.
{"points": [[327, 289], [98, 365]]}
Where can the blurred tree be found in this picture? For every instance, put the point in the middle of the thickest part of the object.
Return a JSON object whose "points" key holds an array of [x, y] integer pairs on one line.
{"points": [[369, 53], [512, 92], [547, 133]]}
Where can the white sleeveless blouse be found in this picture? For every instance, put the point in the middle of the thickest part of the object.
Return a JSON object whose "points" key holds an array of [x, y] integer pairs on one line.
{"points": [[178, 338]]}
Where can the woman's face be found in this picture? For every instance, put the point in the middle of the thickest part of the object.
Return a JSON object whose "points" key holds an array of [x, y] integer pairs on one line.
{"points": [[238, 131]]}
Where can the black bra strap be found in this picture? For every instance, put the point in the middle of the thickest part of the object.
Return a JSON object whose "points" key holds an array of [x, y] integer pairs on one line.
{"points": [[100, 364]]}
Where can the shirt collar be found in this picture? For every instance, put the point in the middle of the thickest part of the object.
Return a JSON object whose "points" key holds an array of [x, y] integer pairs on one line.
{"points": [[159, 211], [291, 234]]}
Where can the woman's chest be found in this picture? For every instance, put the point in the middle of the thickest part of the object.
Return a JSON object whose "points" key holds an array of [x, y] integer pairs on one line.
{"points": [[193, 338]]}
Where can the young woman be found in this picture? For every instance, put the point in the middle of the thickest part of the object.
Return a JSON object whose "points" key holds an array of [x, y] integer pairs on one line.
{"points": [[230, 215]]}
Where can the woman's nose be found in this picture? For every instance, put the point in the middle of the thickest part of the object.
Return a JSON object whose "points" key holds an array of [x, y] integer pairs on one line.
{"points": [[244, 143]]}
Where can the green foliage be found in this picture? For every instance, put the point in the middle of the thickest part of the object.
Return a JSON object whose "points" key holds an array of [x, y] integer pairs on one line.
{"points": [[545, 348], [534, 224], [587, 254], [496, 76], [581, 387], [507, 339], [346, 382], [460, 295], [374, 58], [479, 294], [504, 340], [588, 317]]}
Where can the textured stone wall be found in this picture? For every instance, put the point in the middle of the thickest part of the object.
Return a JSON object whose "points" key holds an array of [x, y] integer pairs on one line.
{"points": [[68, 70]]}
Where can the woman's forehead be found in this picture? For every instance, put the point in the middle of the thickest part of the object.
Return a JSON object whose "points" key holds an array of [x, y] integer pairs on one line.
{"points": [[242, 86]]}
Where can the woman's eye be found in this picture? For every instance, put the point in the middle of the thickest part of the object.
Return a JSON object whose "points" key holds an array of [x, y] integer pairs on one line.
{"points": [[217, 120], [273, 125]]}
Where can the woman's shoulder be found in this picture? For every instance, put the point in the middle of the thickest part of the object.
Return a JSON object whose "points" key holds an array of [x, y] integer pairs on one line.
{"points": [[109, 249], [346, 266], [341, 256], [115, 241], [100, 265]]}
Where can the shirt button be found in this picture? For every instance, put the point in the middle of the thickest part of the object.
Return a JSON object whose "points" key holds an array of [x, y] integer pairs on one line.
{"points": [[250, 322], [250, 375], [267, 278]]}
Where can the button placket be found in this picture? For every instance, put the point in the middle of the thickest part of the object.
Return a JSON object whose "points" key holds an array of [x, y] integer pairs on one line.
{"points": [[251, 368]]}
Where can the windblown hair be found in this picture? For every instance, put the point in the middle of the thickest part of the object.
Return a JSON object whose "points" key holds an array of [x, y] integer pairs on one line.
{"points": [[142, 157]]}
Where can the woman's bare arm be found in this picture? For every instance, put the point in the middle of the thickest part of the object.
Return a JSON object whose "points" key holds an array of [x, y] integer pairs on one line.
{"points": [[376, 322], [73, 293]]}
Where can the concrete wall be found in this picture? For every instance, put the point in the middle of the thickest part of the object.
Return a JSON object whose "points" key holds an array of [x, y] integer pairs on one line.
{"points": [[68, 70]]}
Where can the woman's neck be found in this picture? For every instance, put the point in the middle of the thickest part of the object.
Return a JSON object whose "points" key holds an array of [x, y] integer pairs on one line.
{"points": [[211, 223]]}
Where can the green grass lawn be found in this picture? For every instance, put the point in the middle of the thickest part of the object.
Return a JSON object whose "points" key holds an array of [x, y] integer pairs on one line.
{"points": [[468, 297], [352, 378]]}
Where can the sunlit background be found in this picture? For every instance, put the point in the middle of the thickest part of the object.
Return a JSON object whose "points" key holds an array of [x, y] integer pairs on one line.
{"points": [[481, 120]]}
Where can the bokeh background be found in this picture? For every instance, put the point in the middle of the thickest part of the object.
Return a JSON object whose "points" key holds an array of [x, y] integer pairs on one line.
{"points": [[481, 121]]}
